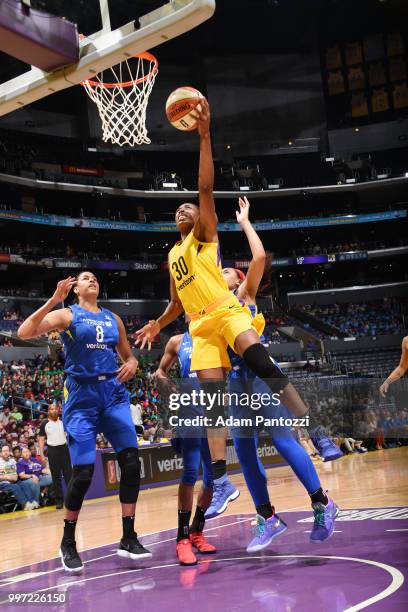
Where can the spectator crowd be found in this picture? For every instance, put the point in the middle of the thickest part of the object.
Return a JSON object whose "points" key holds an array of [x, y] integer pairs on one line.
{"points": [[360, 319], [355, 419]]}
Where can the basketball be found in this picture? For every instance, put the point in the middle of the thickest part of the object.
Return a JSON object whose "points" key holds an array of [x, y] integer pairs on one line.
{"points": [[180, 108]]}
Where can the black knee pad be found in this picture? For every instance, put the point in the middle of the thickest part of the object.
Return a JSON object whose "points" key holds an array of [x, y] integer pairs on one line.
{"points": [[129, 464], [258, 360], [78, 486], [215, 389]]}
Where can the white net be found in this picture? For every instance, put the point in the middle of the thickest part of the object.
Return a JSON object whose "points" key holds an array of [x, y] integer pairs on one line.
{"points": [[122, 99]]}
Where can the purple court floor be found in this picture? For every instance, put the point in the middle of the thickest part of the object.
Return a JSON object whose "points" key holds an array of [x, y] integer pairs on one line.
{"points": [[361, 566]]}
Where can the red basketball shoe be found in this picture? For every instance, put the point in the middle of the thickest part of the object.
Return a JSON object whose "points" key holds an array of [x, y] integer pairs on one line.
{"points": [[199, 542], [185, 553]]}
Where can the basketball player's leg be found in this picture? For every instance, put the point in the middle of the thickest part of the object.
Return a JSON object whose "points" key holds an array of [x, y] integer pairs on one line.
{"points": [[234, 327], [190, 446], [268, 524], [245, 439], [117, 425], [237, 328], [203, 503], [213, 383], [83, 454], [298, 459], [80, 417], [325, 510], [247, 344], [191, 454], [245, 443], [210, 360]]}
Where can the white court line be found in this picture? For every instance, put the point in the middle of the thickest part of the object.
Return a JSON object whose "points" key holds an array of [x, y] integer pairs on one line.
{"points": [[13, 569], [310, 531], [396, 575], [295, 509], [21, 577], [143, 535], [396, 530], [60, 569]]}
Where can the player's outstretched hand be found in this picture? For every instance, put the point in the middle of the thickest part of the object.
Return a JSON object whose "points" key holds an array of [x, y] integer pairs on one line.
{"points": [[146, 334], [63, 289], [127, 370], [384, 389], [203, 118], [243, 212]]}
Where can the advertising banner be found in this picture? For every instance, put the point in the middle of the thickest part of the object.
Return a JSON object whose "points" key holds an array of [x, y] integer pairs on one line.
{"points": [[134, 226], [309, 259], [160, 464], [83, 170]]}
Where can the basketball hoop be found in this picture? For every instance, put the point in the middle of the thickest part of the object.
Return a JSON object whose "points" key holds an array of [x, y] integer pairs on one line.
{"points": [[122, 102]]}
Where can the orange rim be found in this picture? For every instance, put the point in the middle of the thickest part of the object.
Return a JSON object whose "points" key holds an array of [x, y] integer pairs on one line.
{"points": [[146, 56]]}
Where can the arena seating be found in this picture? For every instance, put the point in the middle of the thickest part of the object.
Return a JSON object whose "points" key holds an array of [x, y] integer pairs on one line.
{"points": [[371, 362], [360, 319]]}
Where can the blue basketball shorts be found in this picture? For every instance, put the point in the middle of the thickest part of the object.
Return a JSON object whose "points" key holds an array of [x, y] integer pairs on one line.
{"points": [[92, 406]]}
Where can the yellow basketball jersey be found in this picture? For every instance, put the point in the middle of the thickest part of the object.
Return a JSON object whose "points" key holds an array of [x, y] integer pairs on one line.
{"points": [[259, 323], [196, 269]]}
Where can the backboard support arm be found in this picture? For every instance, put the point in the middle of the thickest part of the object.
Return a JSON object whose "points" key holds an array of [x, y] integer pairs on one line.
{"points": [[107, 49]]}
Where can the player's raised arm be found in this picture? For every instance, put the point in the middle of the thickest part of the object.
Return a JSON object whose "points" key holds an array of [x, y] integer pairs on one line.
{"points": [[169, 357], [249, 288], [206, 227], [42, 320], [147, 333], [399, 371]]}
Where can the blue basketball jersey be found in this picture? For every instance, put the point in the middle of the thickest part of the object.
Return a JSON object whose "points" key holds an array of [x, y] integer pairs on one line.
{"points": [[184, 357], [188, 382], [90, 343]]}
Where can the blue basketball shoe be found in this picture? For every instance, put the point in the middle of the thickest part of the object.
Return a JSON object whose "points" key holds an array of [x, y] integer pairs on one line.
{"points": [[265, 531], [324, 517], [223, 493], [326, 448]]}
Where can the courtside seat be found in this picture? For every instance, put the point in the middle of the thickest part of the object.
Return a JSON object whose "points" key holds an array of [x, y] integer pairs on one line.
{"points": [[8, 502]]}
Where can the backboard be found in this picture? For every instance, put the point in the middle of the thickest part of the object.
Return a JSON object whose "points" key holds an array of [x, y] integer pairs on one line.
{"points": [[106, 42]]}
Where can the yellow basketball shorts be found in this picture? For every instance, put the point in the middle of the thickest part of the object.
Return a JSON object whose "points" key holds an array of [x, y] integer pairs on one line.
{"points": [[213, 333]]}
